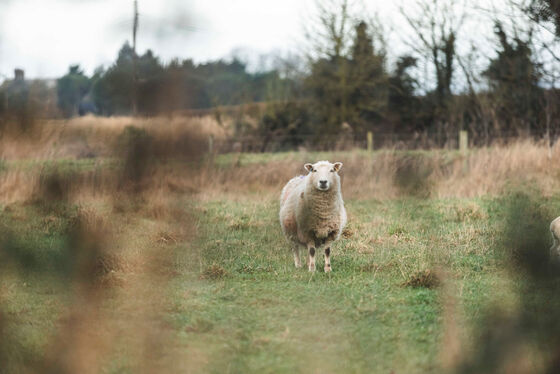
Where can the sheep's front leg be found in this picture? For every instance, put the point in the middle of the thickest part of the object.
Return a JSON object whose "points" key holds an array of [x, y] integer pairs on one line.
{"points": [[311, 258], [297, 260], [328, 259]]}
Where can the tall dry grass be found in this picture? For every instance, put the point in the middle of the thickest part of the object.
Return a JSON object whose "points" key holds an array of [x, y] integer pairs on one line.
{"points": [[172, 159], [90, 136], [390, 173]]}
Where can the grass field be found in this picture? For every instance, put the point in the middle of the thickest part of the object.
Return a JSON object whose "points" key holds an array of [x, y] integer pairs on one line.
{"points": [[197, 277]]}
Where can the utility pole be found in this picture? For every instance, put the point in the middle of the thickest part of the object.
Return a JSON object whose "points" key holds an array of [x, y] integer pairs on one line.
{"points": [[135, 62]]}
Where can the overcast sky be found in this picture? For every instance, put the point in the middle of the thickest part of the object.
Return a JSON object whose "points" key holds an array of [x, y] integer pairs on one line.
{"points": [[45, 36]]}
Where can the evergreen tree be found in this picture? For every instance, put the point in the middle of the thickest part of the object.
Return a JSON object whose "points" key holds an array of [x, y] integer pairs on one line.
{"points": [[514, 82], [71, 89], [328, 86], [112, 92], [368, 82], [151, 94], [403, 102]]}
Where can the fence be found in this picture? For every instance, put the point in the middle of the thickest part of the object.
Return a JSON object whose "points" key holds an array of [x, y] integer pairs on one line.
{"points": [[370, 141]]}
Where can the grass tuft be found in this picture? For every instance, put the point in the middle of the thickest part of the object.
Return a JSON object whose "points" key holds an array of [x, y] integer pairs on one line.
{"points": [[214, 272], [423, 279]]}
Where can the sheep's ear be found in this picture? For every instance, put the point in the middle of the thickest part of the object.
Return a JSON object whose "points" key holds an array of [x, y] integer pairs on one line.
{"points": [[309, 167], [337, 166]]}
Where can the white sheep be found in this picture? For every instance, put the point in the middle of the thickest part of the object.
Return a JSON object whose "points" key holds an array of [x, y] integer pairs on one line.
{"points": [[555, 230], [312, 212]]}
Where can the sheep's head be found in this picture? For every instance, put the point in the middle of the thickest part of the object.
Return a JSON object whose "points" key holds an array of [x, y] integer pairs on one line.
{"points": [[324, 175]]}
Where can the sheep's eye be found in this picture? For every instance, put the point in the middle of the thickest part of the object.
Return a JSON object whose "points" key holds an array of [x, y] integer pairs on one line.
{"points": [[332, 170], [314, 170]]}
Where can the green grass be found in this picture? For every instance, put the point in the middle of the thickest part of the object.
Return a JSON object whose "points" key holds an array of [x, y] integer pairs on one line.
{"points": [[237, 304], [265, 315]]}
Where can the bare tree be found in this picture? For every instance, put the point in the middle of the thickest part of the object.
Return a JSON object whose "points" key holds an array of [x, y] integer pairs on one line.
{"points": [[329, 36], [436, 25], [329, 32], [543, 19], [481, 109]]}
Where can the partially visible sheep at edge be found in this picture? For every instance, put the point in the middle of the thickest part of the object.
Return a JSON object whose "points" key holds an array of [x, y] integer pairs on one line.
{"points": [[555, 230], [312, 212]]}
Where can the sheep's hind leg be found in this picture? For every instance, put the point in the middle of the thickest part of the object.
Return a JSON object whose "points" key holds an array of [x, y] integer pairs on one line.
{"points": [[311, 259], [328, 260], [297, 259]]}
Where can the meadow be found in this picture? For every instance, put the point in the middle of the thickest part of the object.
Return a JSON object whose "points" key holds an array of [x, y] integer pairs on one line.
{"points": [[114, 262]]}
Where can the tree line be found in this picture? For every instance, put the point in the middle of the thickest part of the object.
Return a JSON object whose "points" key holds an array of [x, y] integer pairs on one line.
{"points": [[160, 87], [345, 84]]}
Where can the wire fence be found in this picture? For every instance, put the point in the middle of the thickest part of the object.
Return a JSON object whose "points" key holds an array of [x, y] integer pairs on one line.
{"points": [[373, 141]]}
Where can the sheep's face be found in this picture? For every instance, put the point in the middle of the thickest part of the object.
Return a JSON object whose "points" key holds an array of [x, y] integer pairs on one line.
{"points": [[324, 175]]}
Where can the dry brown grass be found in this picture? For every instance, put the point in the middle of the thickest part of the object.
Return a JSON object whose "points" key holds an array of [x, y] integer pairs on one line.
{"points": [[383, 174], [484, 171], [90, 136]]}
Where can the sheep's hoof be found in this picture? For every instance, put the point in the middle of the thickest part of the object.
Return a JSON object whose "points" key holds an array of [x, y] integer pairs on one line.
{"points": [[311, 269], [298, 265], [328, 269]]}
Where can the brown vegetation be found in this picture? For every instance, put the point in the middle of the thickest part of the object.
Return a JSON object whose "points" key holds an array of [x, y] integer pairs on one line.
{"points": [[172, 146], [91, 137]]}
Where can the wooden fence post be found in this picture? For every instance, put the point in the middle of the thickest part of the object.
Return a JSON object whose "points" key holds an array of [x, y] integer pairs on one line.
{"points": [[211, 145], [463, 140], [370, 141]]}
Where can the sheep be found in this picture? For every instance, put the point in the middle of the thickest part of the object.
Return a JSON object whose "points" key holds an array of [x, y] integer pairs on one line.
{"points": [[555, 231], [312, 212]]}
